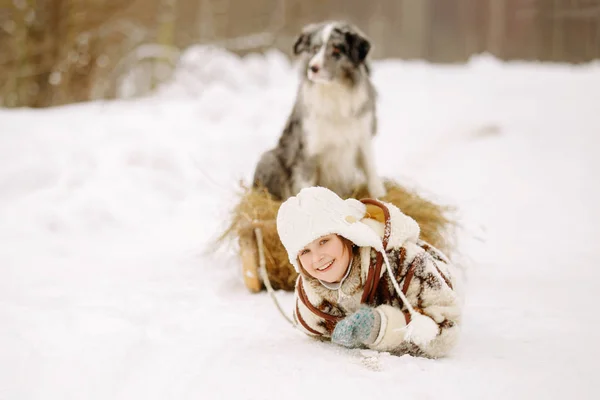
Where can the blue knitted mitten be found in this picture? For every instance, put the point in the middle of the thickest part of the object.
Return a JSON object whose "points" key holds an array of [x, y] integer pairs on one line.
{"points": [[359, 328]]}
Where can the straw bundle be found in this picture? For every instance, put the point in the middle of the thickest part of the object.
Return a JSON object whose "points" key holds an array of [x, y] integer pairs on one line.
{"points": [[257, 208]]}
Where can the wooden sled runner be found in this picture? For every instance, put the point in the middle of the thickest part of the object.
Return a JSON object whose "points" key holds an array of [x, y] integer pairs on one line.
{"points": [[257, 210]]}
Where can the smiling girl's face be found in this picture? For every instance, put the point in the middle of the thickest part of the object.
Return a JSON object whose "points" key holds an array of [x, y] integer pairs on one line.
{"points": [[326, 258]]}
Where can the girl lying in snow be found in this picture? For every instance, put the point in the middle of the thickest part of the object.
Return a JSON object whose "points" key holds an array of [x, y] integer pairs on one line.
{"points": [[366, 279]]}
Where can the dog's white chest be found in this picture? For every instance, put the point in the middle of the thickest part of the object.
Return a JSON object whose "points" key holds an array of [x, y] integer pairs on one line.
{"points": [[333, 119], [326, 135], [337, 132], [336, 146]]}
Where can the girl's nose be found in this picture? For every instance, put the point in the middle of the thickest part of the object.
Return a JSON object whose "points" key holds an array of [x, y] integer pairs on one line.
{"points": [[316, 257]]}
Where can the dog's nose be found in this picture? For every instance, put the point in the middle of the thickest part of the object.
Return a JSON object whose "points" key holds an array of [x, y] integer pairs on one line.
{"points": [[314, 68]]}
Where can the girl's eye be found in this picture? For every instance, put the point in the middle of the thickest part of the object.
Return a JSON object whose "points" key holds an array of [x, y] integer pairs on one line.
{"points": [[322, 242], [303, 252]]}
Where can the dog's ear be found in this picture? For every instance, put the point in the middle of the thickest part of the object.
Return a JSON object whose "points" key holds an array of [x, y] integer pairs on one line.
{"points": [[358, 47], [302, 43]]}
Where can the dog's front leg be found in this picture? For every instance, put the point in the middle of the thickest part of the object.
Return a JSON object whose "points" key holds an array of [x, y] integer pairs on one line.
{"points": [[305, 175], [366, 159]]}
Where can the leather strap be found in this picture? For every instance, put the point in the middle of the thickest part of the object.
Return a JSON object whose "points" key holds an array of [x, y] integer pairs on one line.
{"points": [[374, 274], [444, 277], [409, 275], [302, 296], [303, 323]]}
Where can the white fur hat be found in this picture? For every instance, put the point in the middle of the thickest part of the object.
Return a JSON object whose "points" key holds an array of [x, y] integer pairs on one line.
{"points": [[318, 211]]}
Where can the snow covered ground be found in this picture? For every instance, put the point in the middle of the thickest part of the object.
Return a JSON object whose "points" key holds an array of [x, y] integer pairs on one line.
{"points": [[107, 209]]}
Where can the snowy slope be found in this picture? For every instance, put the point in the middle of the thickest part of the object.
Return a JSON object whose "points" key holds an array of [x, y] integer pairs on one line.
{"points": [[107, 209]]}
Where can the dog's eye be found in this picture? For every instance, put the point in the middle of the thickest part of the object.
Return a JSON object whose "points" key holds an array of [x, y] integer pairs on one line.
{"points": [[336, 52]]}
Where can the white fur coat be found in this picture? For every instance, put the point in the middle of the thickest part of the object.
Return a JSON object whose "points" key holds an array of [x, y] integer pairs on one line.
{"points": [[431, 290]]}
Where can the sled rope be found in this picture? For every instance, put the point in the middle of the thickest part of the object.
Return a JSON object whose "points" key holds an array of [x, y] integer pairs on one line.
{"points": [[265, 276]]}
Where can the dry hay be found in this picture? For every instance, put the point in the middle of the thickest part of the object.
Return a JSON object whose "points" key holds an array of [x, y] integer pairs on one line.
{"points": [[257, 208]]}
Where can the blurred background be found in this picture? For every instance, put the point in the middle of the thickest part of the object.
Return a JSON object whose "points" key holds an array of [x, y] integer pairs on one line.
{"points": [[55, 52]]}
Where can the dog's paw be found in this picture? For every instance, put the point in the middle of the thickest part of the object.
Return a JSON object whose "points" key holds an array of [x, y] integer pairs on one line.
{"points": [[376, 189]]}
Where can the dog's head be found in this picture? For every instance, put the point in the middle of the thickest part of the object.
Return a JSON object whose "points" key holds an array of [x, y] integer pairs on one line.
{"points": [[332, 51]]}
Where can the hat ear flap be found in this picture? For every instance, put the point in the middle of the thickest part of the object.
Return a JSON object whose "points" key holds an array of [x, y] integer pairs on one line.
{"points": [[356, 204]]}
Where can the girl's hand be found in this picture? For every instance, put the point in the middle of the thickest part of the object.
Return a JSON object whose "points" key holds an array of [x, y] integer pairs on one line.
{"points": [[357, 329]]}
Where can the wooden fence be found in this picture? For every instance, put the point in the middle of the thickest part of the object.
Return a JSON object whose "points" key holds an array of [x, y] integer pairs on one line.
{"points": [[60, 51]]}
